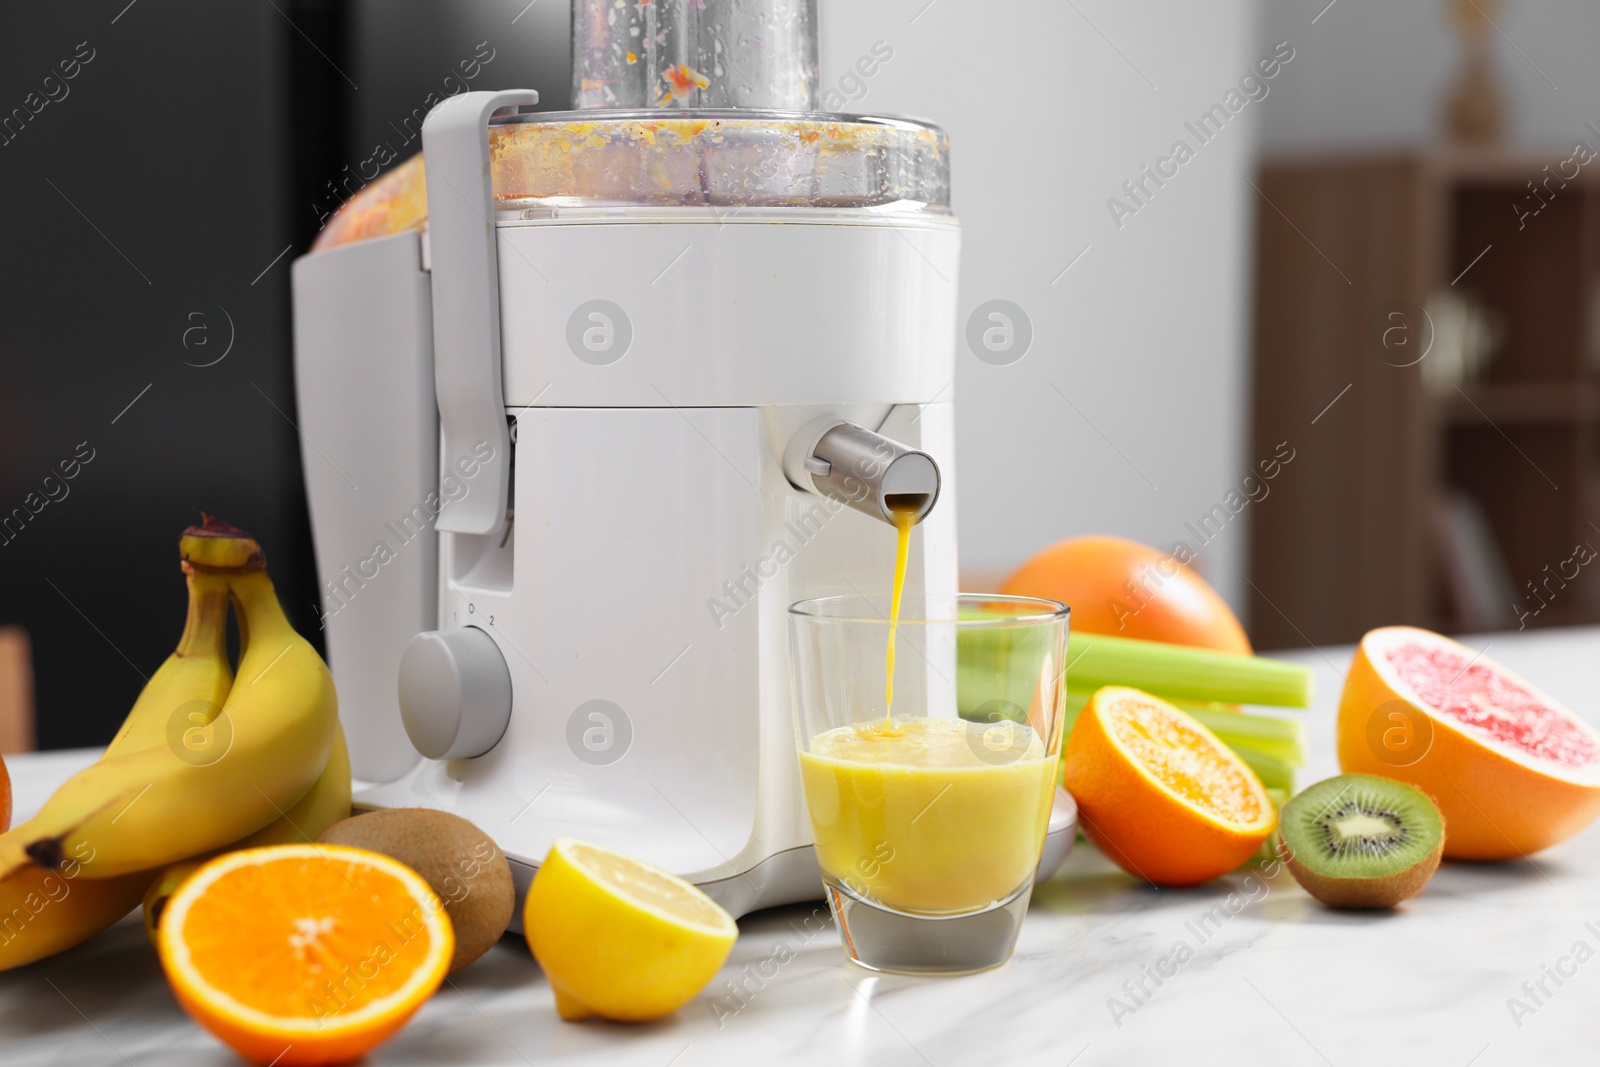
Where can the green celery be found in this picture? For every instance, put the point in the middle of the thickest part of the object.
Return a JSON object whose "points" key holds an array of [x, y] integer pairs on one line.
{"points": [[1278, 750], [1185, 672], [1274, 773], [1262, 729]]}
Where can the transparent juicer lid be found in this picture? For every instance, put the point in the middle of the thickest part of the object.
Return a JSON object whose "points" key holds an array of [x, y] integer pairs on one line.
{"points": [[684, 103], [718, 158]]}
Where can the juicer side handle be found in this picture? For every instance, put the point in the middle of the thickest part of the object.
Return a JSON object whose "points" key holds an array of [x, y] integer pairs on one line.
{"points": [[466, 307]]}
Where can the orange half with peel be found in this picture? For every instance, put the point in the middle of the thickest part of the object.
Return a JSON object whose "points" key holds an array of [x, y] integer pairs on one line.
{"points": [[304, 954], [1159, 793]]}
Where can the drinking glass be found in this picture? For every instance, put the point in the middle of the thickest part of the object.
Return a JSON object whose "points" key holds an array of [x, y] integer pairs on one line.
{"points": [[929, 815]]}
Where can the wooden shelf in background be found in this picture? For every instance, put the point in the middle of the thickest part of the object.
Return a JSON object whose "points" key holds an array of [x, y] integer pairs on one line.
{"points": [[1510, 168], [1522, 403], [1559, 614], [1348, 540]]}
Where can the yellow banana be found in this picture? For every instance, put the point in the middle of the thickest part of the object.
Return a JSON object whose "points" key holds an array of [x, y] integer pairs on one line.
{"points": [[152, 806], [188, 690], [44, 912], [328, 802]]}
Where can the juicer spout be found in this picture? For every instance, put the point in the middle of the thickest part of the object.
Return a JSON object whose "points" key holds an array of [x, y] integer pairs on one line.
{"points": [[871, 473]]}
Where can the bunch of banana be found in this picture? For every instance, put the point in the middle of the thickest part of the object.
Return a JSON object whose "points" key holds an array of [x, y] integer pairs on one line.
{"points": [[204, 763]]}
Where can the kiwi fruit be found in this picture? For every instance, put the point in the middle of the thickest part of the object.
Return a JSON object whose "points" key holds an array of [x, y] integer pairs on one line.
{"points": [[461, 862], [1358, 841]]}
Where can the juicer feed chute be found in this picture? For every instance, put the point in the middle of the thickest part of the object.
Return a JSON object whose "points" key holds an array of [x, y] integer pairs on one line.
{"points": [[695, 53]]}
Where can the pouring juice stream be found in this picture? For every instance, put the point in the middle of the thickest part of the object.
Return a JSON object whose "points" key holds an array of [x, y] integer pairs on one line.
{"points": [[905, 517]]}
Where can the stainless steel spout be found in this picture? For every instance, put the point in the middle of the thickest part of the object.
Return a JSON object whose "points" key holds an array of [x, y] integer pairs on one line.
{"points": [[869, 472]]}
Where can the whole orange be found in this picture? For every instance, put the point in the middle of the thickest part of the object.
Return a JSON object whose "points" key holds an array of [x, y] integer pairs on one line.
{"points": [[1512, 770], [1125, 589]]}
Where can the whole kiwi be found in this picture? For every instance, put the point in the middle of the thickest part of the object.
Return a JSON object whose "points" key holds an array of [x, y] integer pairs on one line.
{"points": [[461, 862]]}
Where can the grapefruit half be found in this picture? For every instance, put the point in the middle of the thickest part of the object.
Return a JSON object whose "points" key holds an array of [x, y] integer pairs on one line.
{"points": [[1512, 770]]}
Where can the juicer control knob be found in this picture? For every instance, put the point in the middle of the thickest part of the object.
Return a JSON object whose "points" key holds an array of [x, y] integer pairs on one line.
{"points": [[455, 693]]}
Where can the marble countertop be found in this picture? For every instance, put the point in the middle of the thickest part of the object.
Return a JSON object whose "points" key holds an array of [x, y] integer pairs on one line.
{"points": [[1271, 977]]}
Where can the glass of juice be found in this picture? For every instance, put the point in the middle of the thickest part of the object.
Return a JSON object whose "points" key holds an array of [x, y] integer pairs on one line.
{"points": [[929, 767]]}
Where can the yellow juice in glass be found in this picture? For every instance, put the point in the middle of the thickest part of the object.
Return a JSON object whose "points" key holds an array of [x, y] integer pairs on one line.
{"points": [[929, 816]]}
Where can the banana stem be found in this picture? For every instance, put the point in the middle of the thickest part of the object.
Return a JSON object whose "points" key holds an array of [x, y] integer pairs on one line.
{"points": [[217, 545], [229, 559], [205, 630]]}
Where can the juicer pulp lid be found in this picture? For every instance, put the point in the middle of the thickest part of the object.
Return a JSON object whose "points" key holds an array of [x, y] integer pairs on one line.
{"points": [[545, 161]]}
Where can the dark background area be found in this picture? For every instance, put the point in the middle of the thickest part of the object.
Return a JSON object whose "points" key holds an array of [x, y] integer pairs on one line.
{"points": [[165, 194]]}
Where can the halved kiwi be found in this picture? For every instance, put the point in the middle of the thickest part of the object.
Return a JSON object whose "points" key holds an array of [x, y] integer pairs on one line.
{"points": [[1358, 841]]}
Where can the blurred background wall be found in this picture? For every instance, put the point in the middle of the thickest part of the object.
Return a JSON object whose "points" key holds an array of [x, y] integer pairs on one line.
{"points": [[193, 158], [1127, 413], [1180, 316], [1374, 72]]}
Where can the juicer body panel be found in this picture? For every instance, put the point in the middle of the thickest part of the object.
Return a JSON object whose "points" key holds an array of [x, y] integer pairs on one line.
{"points": [[645, 629], [363, 347], [781, 306]]}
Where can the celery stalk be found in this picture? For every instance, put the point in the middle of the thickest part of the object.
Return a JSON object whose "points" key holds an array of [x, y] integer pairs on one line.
{"points": [[1185, 672], [1274, 773], [1279, 750], [1254, 728]]}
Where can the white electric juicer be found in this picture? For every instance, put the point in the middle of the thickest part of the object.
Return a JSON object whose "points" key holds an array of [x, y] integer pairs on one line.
{"points": [[648, 373]]}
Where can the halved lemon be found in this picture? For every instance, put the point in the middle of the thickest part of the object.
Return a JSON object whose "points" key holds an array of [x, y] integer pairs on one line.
{"points": [[304, 954], [619, 938], [1159, 793]]}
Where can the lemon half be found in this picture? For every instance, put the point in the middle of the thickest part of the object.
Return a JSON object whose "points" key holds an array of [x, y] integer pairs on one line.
{"points": [[621, 939]]}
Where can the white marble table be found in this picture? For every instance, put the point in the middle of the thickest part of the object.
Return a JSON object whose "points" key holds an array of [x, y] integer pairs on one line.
{"points": [[1283, 981]]}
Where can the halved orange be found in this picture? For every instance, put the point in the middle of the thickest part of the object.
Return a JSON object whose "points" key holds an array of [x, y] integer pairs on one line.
{"points": [[1511, 768], [1159, 793], [304, 954]]}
